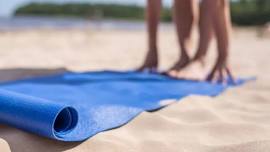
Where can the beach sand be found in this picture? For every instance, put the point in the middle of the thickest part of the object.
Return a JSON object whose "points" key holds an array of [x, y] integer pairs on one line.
{"points": [[238, 120]]}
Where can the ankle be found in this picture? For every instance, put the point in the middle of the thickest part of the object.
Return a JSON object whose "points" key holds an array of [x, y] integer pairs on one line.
{"points": [[185, 57], [199, 57], [200, 60]]}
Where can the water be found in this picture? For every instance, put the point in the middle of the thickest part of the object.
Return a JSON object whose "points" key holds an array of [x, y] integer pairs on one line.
{"points": [[49, 22]]}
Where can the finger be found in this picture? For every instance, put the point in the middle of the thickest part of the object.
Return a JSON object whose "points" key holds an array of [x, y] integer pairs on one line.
{"points": [[220, 76], [231, 78], [225, 79], [210, 77], [215, 78], [213, 74]]}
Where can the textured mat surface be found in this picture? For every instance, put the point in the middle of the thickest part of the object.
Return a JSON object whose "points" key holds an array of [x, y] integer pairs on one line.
{"points": [[76, 106]]}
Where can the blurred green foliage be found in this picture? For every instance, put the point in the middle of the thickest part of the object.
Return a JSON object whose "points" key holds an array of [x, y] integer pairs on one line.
{"points": [[244, 12], [250, 12], [84, 10]]}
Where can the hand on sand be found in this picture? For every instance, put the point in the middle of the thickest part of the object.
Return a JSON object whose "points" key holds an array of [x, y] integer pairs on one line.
{"points": [[221, 73]]}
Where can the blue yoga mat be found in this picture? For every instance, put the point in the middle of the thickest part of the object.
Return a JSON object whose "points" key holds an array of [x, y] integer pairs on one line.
{"points": [[76, 106]]}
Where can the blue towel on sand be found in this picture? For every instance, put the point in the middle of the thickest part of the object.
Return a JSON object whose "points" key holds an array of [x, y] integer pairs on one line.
{"points": [[76, 106]]}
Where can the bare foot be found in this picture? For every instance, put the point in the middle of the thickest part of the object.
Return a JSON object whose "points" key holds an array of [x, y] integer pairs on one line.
{"points": [[178, 66], [195, 70], [151, 62]]}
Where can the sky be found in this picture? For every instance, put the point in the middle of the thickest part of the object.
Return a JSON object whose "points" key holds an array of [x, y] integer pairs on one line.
{"points": [[8, 6]]}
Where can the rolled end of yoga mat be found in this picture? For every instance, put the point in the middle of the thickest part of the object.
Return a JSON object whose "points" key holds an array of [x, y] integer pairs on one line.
{"points": [[43, 117], [65, 121]]}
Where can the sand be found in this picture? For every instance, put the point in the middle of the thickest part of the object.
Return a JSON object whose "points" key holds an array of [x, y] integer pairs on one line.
{"points": [[238, 120]]}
